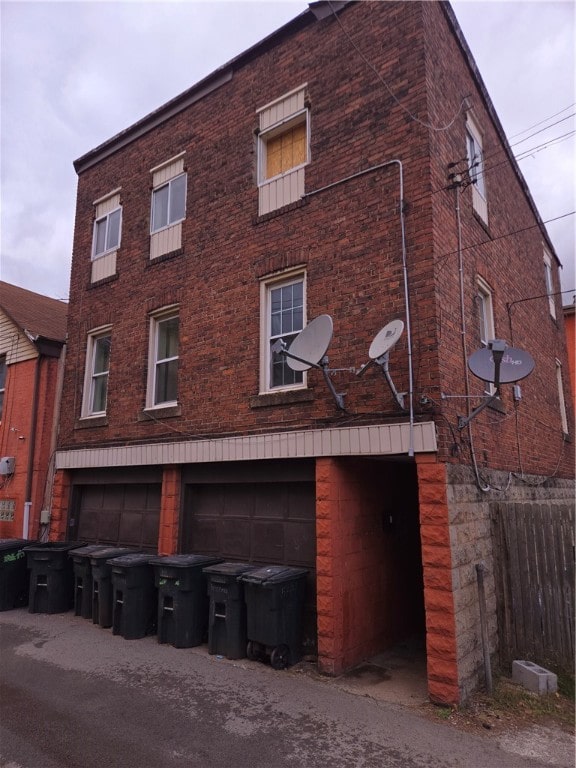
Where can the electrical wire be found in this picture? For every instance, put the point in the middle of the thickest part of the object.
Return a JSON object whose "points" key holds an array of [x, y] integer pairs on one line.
{"points": [[535, 125], [384, 82]]}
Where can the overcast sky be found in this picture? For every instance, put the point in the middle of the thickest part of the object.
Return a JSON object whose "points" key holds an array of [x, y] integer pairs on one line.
{"points": [[73, 74]]}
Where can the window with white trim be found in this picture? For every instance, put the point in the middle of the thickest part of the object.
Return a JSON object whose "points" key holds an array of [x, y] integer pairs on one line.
{"points": [[548, 276], [3, 370], [163, 359], [107, 234], [283, 150], [561, 400], [283, 316], [97, 372], [485, 309], [169, 203], [476, 169]]}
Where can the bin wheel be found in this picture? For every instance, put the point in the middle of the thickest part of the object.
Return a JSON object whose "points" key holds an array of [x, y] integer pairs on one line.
{"points": [[252, 651], [280, 657]]}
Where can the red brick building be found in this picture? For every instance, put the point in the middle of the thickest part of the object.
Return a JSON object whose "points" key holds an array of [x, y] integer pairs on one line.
{"points": [[570, 325], [32, 338], [351, 165]]}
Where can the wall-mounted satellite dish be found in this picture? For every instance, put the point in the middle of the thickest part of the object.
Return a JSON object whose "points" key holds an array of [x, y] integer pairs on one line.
{"points": [[311, 344], [385, 339], [308, 350], [515, 365], [379, 351]]}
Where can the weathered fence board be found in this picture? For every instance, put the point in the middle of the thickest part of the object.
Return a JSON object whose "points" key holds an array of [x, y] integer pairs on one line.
{"points": [[534, 578]]}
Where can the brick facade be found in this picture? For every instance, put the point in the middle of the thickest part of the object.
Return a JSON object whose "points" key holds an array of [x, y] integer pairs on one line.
{"points": [[377, 158]]}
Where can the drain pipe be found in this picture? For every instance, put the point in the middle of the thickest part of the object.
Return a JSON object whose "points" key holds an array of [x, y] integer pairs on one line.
{"points": [[31, 450], [404, 273]]}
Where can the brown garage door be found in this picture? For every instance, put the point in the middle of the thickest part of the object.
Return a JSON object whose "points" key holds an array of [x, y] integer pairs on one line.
{"points": [[121, 513]]}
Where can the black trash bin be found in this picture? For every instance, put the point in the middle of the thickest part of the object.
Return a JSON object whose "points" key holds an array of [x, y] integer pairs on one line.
{"points": [[182, 599], [14, 576], [227, 612], [134, 596], [82, 568], [51, 576], [274, 598], [102, 583]]}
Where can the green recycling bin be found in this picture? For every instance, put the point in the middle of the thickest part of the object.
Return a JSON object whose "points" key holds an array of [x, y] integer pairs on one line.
{"points": [[227, 612], [51, 576], [102, 583], [134, 596], [14, 576]]}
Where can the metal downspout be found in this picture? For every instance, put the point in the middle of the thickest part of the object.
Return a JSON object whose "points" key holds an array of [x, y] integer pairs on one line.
{"points": [[32, 443]]}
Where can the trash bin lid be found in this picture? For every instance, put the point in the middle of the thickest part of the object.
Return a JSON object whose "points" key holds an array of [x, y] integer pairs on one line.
{"points": [[55, 546], [85, 552], [229, 569], [273, 574], [185, 561], [108, 552], [131, 560], [12, 543]]}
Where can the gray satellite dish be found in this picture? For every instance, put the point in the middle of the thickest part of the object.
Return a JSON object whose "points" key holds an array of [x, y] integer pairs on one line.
{"points": [[516, 364], [385, 339], [311, 344]]}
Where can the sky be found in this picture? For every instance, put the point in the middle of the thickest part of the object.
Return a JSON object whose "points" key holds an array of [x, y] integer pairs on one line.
{"points": [[74, 74]]}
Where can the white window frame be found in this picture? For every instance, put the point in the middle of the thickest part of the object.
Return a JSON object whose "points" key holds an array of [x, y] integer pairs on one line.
{"points": [[266, 287], [299, 118], [3, 377], [561, 399], [156, 190], [485, 314], [549, 280], [91, 376], [156, 319], [108, 248], [476, 167]]}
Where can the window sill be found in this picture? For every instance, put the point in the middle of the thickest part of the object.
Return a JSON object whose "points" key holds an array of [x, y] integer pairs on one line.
{"points": [[103, 281], [270, 399], [87, 422], [566, 437], [160, 413], [264, 217], [164, 257], [484, 224]]}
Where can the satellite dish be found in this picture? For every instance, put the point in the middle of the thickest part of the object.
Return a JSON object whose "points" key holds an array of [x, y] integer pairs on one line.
{"points": [[385, 339], [311, 344], [516, 365]]}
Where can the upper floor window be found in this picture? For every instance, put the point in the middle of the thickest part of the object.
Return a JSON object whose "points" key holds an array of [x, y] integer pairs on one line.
{"points": [[169, 203], [107, 235], [283, 150], [283, 317], [485, 312], [549, 283], [107, 232], [476, 170], [3, 369], [97, 371], [163, 359], [562, 401]]}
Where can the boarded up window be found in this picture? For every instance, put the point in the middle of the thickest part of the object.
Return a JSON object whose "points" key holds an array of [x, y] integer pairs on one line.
{"points": [[286, 151]]}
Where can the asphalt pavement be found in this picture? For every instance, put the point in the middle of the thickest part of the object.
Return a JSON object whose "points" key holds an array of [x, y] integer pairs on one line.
{"points": [[73, 695]]}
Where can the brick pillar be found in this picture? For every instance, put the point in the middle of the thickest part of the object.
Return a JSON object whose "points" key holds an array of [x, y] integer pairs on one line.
{"points": [[170, 511], [60, 505], [438, 595], [329, 559]]}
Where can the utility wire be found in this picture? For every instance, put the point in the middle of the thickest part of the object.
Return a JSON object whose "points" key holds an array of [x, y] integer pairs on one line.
{"points": [[545, 120]]}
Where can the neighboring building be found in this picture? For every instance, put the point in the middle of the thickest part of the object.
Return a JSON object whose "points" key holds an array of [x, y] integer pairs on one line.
{"points": [[32, 339], [350, 164], [571, 344]]}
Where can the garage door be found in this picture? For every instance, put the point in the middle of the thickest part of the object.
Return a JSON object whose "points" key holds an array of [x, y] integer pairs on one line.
{"points": [[126, 514]]}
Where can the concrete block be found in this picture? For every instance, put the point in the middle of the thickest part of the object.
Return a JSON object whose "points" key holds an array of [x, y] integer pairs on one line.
{"points": [[534, 678]]}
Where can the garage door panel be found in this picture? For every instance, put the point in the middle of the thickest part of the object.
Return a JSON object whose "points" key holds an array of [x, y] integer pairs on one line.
{"points": [[207, 501], [205, 536], [268, 542], [299, 543], [93, 498], [88, 527], [238, 500], [109, 525], [235, 541], [150, 525], [301, 503], [113, 497], [270, 501]]}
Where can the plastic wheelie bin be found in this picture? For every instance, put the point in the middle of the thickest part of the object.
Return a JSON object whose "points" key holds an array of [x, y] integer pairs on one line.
{"points": [[83, 578], [14, 576], [51, 576], [134, 596], [182, 599], [227, 611], [274, 598], [102, 583]]}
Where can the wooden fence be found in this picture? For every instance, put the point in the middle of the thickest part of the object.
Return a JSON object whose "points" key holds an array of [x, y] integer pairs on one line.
{"points": [[534, 575]]}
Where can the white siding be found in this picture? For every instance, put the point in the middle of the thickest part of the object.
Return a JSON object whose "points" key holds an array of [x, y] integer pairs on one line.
{"points": [[103, 266], [163, 173], [381, 440], [282, 108], [280, 191], [166, 241]]}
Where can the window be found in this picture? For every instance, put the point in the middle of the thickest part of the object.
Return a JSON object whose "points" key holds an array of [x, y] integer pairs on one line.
{"points": [[283, 315], [2, 382], [486, 331], [163, 367], [475, 154], [107, 233], [549, 283], [97, 371], [169, 203], [562, 401], [283, 150]]}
